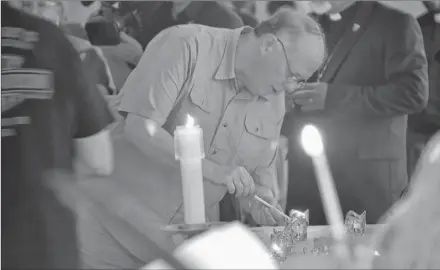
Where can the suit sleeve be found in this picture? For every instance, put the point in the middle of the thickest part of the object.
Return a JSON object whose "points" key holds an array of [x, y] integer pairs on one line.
{"points": [[405, 90]]}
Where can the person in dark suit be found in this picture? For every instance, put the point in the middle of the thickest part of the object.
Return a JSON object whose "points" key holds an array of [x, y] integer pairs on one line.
{"points": [[423, 125], [376, 74]]}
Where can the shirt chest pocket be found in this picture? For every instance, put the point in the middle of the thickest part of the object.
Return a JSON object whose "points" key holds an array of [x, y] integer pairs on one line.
{"points": [[259, 140], [201, 100]]}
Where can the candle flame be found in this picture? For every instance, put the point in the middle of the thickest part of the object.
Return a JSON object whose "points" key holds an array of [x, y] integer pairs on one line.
{"points": [[311, 141], [189, 122]]}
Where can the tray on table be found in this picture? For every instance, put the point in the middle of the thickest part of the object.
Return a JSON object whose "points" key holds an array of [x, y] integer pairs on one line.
{"points": [[301, 256]]}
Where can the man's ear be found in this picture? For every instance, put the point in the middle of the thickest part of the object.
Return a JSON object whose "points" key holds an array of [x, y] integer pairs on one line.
{"points": [[268, 43]]}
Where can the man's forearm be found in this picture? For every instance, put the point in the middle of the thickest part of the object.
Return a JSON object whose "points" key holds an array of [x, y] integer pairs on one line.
{"points": [[150, 138]]}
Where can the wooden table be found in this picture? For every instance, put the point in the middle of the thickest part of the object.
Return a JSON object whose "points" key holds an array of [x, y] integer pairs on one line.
{"points": [[306, 260]]}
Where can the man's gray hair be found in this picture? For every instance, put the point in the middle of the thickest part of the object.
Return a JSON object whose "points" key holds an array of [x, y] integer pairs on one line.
{"points": [[291, 21]]}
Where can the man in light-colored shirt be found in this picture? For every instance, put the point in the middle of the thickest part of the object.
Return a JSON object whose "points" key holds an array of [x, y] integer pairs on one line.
{"points": [[233, 83]]}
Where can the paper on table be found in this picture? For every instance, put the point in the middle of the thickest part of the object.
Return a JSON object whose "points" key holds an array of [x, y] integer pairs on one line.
{"points": [[232, 246]]}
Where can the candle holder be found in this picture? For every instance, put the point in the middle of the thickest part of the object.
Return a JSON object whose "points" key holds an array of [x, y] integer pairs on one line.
{"points": [[355, 224], [297, 225], [191, 230], [281, 244]]}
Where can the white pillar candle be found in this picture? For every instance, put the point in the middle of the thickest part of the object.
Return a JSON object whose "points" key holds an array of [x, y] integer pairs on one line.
{"points": [[314, 147], [188, 143]]}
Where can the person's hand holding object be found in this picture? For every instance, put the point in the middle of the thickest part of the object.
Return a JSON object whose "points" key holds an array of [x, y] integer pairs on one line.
{"points": [[311, 97], [262, 214], [240, 183]]}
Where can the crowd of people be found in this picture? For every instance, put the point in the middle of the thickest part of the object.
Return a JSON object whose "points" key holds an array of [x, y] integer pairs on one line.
{"points": [[92, 92]]}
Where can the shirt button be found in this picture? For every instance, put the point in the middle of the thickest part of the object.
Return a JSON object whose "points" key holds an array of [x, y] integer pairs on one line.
{"points": [[214, 152], [225, 124], [256, 129]]}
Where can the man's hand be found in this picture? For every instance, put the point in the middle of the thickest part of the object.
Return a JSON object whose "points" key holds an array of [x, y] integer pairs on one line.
{"points": [[312, 97], [237, 180], [240, 182], [264, 215]]}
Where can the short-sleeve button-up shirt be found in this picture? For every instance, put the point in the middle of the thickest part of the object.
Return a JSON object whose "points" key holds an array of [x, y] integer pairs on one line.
{"points": [[190, 69]]}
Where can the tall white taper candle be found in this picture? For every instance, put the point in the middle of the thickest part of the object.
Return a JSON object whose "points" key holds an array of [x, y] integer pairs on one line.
{"points": [[314, 147], [188, 142]]}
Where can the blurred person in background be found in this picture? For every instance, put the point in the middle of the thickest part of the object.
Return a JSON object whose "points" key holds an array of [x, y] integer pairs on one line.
{"points": [[151, 17], [423, 125], [375, 76], [52, 116], [211, 74], [273, 6], [71, 16], [122, 52], [246, 10]]}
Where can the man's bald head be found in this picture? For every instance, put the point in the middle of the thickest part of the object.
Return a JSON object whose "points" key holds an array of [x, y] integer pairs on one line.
{"points": [[300, 33], [295, 22], [292, 25], [289, 45]]}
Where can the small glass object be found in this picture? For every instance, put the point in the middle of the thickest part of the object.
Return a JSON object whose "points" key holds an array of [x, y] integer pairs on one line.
{"points": [[355, 224], [297, 225], [281, 244], [323, 245]]}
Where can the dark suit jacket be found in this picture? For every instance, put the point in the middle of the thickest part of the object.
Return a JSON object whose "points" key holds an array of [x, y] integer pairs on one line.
{"points": [[428, 121], [375, 80]]}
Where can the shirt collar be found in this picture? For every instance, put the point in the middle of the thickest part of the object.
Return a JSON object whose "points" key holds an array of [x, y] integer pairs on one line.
{"points": [[226, 69]]}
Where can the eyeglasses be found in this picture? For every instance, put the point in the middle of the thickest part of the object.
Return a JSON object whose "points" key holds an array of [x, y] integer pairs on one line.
{"points": [[293, 77]]}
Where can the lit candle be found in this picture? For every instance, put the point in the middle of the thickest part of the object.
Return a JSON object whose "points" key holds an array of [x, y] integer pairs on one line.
{"points": [[188, 143], [314, 147]]}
